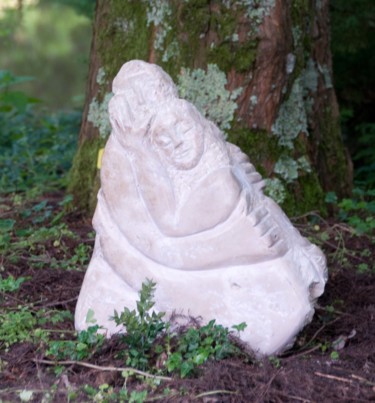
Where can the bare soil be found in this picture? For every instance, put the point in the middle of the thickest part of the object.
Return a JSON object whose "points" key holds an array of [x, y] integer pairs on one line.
{"points": [[312, 371]]}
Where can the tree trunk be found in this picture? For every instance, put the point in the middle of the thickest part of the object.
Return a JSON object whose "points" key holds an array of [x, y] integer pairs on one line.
{"points": [[260, 69]]}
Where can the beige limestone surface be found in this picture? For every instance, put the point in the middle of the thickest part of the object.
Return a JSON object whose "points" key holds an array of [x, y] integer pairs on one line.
{"points": [[183, 207]]}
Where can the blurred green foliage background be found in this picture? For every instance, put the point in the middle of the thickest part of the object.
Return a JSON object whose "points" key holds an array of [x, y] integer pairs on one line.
{"points": [[353, 50], [50, 41], [44, 53]]}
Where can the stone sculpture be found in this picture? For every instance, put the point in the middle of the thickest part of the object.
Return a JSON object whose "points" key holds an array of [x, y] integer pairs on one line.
{"points": [[180, 205]]}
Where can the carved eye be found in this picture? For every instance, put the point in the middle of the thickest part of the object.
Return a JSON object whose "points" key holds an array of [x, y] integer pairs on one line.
{"points": [[184, 129], [163, 141]]}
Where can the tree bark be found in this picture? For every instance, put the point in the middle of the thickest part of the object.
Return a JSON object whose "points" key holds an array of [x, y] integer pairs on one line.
{"points": [[275, 53]]}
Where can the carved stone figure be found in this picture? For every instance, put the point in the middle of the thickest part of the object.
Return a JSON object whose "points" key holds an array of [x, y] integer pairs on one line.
{"points": [[180, 205]]}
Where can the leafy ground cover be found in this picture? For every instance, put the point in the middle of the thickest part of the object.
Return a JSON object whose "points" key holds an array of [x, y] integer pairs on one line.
{"points": [[45, 247]]}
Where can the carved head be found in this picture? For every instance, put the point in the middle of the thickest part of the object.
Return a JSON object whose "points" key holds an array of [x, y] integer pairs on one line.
{"points": [[143, 82], [137, 88], [177, 133]]}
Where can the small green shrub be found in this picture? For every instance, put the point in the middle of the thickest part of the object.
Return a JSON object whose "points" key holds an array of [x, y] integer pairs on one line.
{"points": [[143, 327], [6, 229], [147, 333], [87, 343], [358, 212], [106, 393], [17, 326], [197, 345], [26, 325], [11, 284]]}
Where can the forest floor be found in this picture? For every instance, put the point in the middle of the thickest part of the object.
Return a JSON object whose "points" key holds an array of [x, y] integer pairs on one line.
{"points": [[44, 251]]}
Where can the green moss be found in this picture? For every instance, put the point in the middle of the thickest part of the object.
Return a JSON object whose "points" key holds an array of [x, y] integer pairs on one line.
{"points": [[84, 175], [259, 145], [187, 35], [302, 15], [244, 56], [193, 21], [303, 195], [180, 36], [124, 36], [230, 54], [228, 51], [223, 23], [335, 169], [221, 55], [300, 8], [195, 16], [257, 10]]}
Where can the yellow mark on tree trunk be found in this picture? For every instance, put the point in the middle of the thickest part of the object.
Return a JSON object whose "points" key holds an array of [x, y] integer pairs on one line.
{"points": [[100, 156]]}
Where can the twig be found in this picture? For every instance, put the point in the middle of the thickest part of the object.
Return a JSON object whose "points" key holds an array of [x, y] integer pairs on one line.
{"points": [[162, 397], [61, 331], [333, 377], [35, 259], [335, 312], [317, 347], [304, 352], [345, 251], [310, 213], [269, 383], [364, 380], [344, 227], [99, 368], [34, 306], [215, 392], [58, 302], [300, 399], [20, 390], [7, 295], [321, 329]]}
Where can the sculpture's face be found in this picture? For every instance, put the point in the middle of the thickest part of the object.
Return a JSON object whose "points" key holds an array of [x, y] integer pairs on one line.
{"points": [[179, 139]]}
